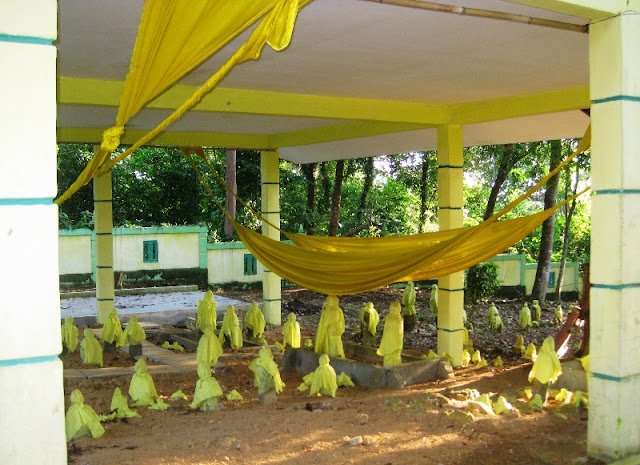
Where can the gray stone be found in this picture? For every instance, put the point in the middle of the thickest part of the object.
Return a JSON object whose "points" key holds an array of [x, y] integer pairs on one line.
{"points": [[109, 346], [135, 351], [268, 397], [573, 377], [416, 370]]}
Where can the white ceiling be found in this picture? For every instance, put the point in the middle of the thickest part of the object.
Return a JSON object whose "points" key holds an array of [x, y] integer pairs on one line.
{"points": [[356, 49]]}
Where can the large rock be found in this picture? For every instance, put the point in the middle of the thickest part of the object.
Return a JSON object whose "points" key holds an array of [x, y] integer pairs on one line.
{"points": [[573, 377]]}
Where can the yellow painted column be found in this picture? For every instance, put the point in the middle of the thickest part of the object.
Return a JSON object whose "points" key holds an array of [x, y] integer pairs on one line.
{"points": [[614, 403], [450, 215], [271, 282], [32, 401], [103, 228]]}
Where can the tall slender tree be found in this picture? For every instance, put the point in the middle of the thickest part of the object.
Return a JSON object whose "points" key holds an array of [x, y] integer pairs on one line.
{"points": [[568, 216], [336, 199], [366, 189], [325, 183], [230, 203], [507, 157], [424, 176], [541, 282], [309, 171]]}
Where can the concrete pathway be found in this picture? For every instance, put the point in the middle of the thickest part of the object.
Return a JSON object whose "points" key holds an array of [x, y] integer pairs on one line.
{"points": [[170, 308]]}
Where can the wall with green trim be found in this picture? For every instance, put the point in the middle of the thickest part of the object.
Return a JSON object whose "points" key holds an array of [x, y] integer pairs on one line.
{"points": [[183, 250], [572, 281], [513, 271], [74, 252], [226, 264], [181, 255]]}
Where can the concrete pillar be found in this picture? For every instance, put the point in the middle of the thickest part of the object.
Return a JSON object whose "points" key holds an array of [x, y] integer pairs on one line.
{"points": [[451, 287], [614, 422], [271, 282], [32, 401], [103, 228]]}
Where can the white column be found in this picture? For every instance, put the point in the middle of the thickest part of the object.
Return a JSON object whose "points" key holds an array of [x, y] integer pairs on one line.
{"points": [[103, 228], [614, 404], [271, 282], [32, 401], [450, 215]]}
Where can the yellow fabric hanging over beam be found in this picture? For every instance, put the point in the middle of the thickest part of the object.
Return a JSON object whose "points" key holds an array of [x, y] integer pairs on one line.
{"points": [[175, 37], [345, 265], [352, 272]]}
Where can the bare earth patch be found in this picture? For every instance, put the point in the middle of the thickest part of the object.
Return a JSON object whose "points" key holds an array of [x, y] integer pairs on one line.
{"points": [[386, 426]]}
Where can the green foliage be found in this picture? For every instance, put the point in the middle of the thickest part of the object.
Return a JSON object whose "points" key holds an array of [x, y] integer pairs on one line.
{"points": [[157, 186], [480, 171], [481, 282], [72, 158]]}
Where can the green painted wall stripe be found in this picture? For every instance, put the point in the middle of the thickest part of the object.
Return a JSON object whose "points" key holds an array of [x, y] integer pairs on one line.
{"points": [[450, 208], [456, 167], [501, 257], [617, 287], [615, 191], [226, 245], [617, 379], [28, 360], [616, 98], [160, 230], [28, 201], [450, 290], [75, 232], [447, 330], [25, 39]]}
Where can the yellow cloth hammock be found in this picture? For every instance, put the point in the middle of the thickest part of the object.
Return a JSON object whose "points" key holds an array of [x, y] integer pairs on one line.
{"points": [[348, 265]]}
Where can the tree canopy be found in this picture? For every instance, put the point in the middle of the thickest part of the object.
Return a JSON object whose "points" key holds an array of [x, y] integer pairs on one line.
{"points": [[392, 194]]}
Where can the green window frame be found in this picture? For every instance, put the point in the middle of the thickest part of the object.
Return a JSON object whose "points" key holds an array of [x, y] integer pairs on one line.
{"points": [[150, 251], [250, 265]]}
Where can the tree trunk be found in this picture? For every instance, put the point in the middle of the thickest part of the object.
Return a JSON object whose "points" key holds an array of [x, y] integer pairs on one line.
{"points": [[541, 282], [568, 216], [359, 229], [423, 192], [309, 170], [366, 188], [230, 203], [336, 199], [326, 185], [508, 159]]}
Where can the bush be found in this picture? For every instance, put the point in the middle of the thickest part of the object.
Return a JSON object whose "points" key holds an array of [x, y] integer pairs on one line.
{"points": [[481, 282]]}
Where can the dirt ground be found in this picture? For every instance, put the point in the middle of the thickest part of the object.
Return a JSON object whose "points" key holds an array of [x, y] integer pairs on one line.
{"points": [[426, 423]]}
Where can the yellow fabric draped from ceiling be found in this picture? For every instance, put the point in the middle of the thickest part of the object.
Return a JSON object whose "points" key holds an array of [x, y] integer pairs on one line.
{"points": [[175, 37]]}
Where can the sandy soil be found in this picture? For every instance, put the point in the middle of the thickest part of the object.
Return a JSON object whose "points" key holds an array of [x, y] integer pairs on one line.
{"points": [[413, 425]]}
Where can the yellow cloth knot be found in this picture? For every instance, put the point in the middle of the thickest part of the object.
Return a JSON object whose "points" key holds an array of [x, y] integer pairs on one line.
{"points": [[111, 138]]}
